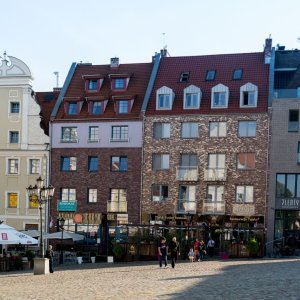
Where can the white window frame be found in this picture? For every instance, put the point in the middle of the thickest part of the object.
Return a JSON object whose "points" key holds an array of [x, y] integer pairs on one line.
{"points": [[9, 141], [218, 129], [244, 194], [8, 167], [72, 137], [93, 136], [247, 128], [92, 195], [196, 92], [29, 160], [164, 92], [70, 192], [72, 166], [156, 198], [122, 136], [215, 192], [189, 124], [248, 88], [165, 130], [215, 160], [221, 90], [164, 161], [10, 105]]}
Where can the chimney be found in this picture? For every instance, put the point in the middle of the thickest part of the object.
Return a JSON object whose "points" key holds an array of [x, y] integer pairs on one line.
{"points": [[114, 62], [163, 52], [268, 50]]}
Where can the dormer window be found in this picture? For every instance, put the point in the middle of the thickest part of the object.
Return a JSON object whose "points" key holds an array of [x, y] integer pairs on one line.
{"points": [[210, 75], [93, 83], [123, 104], [123, 107], [237, 74], [164, 98], [96, 105], [248, 95], [119, 82], [184, 76], [219, 96], [73, 106], [192, 97]]}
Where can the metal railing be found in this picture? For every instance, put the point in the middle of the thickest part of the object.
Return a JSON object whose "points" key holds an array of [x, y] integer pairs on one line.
{"points": [[213, 207], [187, 173], [184, 205], [215, 174]]}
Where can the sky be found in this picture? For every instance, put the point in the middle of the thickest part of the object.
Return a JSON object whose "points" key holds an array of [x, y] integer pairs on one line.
{"points": [[49, 35]]}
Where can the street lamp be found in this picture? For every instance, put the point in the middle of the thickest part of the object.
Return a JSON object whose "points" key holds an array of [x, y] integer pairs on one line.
{"points": [[41, 195], [189, 217], [61, 226]]}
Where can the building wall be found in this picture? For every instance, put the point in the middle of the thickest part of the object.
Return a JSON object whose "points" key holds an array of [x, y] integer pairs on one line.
{"points": [[102, 180], [230, 145]]}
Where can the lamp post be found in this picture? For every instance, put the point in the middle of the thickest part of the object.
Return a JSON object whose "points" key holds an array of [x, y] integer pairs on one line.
{"points": [[41, 195], [61, 226], [189, 216]]}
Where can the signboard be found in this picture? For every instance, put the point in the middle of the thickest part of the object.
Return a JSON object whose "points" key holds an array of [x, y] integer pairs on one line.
{"points": [[287, 203], [122, 218], [67, 205], [33, 201], [243, 209], [13, 200]]}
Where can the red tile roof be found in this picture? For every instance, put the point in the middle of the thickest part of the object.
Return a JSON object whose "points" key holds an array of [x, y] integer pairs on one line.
{"points": [[254, 71], [139, 77]]}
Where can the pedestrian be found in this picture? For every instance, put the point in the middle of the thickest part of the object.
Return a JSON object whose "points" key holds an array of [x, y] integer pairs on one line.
{"points": [[191, 255], [196, 249], [162, 252], [174, 250], [202, 250], [211, 247], [50, 254]]}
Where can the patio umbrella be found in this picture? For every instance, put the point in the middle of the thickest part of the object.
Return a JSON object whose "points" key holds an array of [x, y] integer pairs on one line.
{"points": [[32, 232], [66, 235], [10, 236]]}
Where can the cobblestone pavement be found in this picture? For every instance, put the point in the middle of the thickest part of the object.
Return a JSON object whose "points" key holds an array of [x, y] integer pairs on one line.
{"points": [[227, 279]]}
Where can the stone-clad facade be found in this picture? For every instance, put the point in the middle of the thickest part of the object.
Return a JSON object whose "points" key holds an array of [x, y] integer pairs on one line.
{"points": [[230, 145]]}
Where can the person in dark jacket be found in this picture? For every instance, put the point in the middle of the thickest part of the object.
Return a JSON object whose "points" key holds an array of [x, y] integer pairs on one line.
{"points": [[50, 254], [202, 250], [162, 252], [174, 250]]}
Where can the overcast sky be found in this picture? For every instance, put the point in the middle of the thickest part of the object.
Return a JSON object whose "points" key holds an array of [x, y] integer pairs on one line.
{"points": [[48, 35]]}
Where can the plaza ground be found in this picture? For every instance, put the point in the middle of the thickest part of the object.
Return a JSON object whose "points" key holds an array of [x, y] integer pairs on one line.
{"points": [[215, 279]]}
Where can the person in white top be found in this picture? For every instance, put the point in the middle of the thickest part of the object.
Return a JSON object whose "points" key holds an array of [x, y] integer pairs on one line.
{"points": [[211, 247]]}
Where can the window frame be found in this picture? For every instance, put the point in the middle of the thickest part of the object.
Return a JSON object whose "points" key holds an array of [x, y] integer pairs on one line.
{"points": [[11, 108], [93, 134], [119, 159], [9, 201], [119, 133], [161, 130], [163, 191], [237, 74], [247, 135], [158, 163], [70, 193], [293, 126], [92, 193], [210, 75], [190, 130], [93, 163], [216, 193], [219, 125], [247, 160], [30, 166], [14, 137], [70, 136], [244, 199], [10, 167], [68, 163]]}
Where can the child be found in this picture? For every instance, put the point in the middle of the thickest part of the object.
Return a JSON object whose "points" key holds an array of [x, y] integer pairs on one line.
{"points": [[191, 255]]}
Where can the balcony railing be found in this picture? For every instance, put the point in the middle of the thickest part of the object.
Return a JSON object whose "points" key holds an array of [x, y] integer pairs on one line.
{"points": [[186, 206], [117, 206], [287, 93], [215, 175], [213, 207], [187, 173]]}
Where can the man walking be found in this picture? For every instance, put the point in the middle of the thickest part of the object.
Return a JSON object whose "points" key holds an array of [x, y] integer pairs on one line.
{"points": [[162, 251], [175, 251], [211, 247]]}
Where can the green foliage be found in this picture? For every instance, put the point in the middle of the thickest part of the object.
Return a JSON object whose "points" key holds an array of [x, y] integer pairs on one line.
{"points": [[119, 251], [30, 255], [79, 254], [253, 245]]}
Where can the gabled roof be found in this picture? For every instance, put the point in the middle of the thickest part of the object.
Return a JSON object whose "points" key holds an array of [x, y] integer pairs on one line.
{"points": [[170, 69], [138, 73]]}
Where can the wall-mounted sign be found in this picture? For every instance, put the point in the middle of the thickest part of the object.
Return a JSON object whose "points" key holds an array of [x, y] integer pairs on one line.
{"points": [[287, 203], [67, 205], [243, 209]]}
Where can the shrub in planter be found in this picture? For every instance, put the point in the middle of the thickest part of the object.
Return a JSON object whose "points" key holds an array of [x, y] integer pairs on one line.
{"points": [[253, 246], [119, 252]]}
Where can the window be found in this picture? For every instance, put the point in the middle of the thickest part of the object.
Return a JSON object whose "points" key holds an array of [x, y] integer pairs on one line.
{"points": [[160, 192], [288, 185], [72, 108], [68, 163], [187, 192], [34, 166], [119, 163], [217, 129], [298, 157], [118, 195], [161, 161], [161, 130], [215, 193], [96, 107], [216, 161], [293, 120], [210, 75], [184, 76], [248, 95], [164, 101], [14, 107], [189, 130], [93, 163], [244, 194], [247, 128], [246, 161], [119, 133], [219, 99], [13, 166], [249, 98], [92, 194], [191, 101], [68, 194], [14, 137], [123, 106], [219, 96], [12, 200], [69, 134], [119, 84], [188, 160], [92, 84], [237, 74], [93, 133]]}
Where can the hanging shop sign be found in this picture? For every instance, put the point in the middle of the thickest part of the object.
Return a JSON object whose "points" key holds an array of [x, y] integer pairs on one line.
{"points": [[67, 205], [85, 218], [243, 209], [287, 203]]}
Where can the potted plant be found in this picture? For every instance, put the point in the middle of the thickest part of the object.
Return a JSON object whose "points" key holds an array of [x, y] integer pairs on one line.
{"points": [[30, 255], [119, 252], [93, 256], [79, 257], [253, 246]]}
